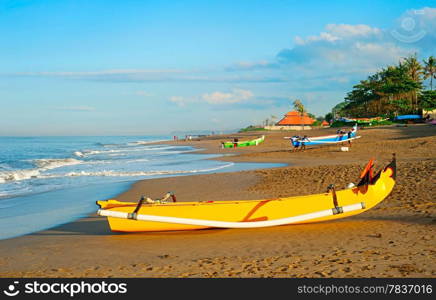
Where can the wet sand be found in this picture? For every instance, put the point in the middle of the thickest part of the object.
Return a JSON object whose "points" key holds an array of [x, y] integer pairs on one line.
{"points": [[394, 239]]}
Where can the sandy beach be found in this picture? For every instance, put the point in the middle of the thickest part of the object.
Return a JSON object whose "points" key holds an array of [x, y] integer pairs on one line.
{"points": [[395, 239]]}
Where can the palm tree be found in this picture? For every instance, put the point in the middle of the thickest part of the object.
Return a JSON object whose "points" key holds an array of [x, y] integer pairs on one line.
{"points": [[414, 69], [266, 122], [299, 107], [273, 118], [430, 70]]}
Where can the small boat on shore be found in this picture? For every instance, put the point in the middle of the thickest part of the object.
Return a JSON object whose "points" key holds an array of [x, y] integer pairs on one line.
{"points": [[237, 143], [160, 215], [340, 137]]}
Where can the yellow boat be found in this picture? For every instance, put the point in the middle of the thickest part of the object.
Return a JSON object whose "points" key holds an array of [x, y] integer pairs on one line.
{"points": [[161, 215]]}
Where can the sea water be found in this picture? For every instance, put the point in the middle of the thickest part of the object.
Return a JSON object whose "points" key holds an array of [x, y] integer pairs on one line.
{"points": [[47, 181]]}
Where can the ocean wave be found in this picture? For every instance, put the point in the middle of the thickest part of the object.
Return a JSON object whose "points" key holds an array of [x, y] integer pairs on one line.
{"points": [[53, 163], [140, 142], [35, 173], [79, 154], [110, 173], [146, 142], [17, 175], [109, 145], [117, 154], [86, 153], [174, 152], [151, 148], [42, 164], [123, 151], [4, 166], [50, 164], [135, 160]]}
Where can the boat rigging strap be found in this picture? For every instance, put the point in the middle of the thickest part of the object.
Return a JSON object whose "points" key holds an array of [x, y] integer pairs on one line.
{"points": [[338, 209], [133, 214]]}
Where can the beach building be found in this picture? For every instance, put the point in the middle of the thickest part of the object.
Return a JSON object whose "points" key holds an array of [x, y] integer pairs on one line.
{"points": [[293, 120], [325, 123]]}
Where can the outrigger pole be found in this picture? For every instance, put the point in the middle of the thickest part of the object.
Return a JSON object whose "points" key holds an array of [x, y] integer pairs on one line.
{"points": [[222, 224]]}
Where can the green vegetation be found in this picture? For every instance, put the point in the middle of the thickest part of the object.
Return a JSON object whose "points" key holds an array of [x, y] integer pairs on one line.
{"points": [[393, 91], [430, 70], [328, 117], [311, 115], [252, 128], [299, 107], [361, 124], [427, 99]]}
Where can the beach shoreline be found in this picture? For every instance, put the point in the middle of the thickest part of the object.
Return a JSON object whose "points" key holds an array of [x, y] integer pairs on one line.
{"points": [[366, 245]]}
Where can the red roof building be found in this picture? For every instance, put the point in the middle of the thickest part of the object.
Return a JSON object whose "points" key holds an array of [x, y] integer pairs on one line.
{"points": [[325, 123], [293, 118]]}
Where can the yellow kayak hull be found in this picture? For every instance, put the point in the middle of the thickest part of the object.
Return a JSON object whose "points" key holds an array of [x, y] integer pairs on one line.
{"points": [[250, 210]]}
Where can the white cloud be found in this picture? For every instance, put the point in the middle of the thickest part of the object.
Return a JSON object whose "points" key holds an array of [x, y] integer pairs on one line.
{"points": [[344, 48], [323, 36], [215, 98], [353, 49], [336, 32], [235, 96], [180, 101], [347, 30]]}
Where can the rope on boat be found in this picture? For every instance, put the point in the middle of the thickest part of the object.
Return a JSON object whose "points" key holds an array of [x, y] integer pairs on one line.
{"points": [[224, 224]]}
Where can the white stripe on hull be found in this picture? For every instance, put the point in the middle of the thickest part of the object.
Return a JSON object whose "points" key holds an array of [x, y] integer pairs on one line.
{"points": [[223, 224]]}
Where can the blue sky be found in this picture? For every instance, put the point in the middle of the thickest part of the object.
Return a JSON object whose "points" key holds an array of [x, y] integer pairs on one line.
{"points": [[152, 67]]}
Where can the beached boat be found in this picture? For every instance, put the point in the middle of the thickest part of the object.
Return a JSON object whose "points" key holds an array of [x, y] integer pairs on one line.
{"points": [[235, 144], [164, 216], [325, 139]]}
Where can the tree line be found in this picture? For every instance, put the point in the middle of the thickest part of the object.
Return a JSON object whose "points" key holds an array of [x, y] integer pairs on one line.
{"points": [[395, 90]]}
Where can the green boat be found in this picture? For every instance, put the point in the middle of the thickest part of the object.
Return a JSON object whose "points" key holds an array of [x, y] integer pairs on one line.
{"points": [[237, 143]]}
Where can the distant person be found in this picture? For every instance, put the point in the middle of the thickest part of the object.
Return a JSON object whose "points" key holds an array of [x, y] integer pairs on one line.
{"points": [[235, 142], [295, 142], [304, 140], [349, 135], [340, 134]]}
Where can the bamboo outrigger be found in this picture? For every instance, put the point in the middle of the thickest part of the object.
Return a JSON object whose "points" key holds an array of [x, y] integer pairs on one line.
{"points": [[161, 215]]}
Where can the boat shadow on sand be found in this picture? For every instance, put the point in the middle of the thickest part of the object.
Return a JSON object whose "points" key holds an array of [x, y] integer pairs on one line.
{"points": [[92, 225], [97, 226]]}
